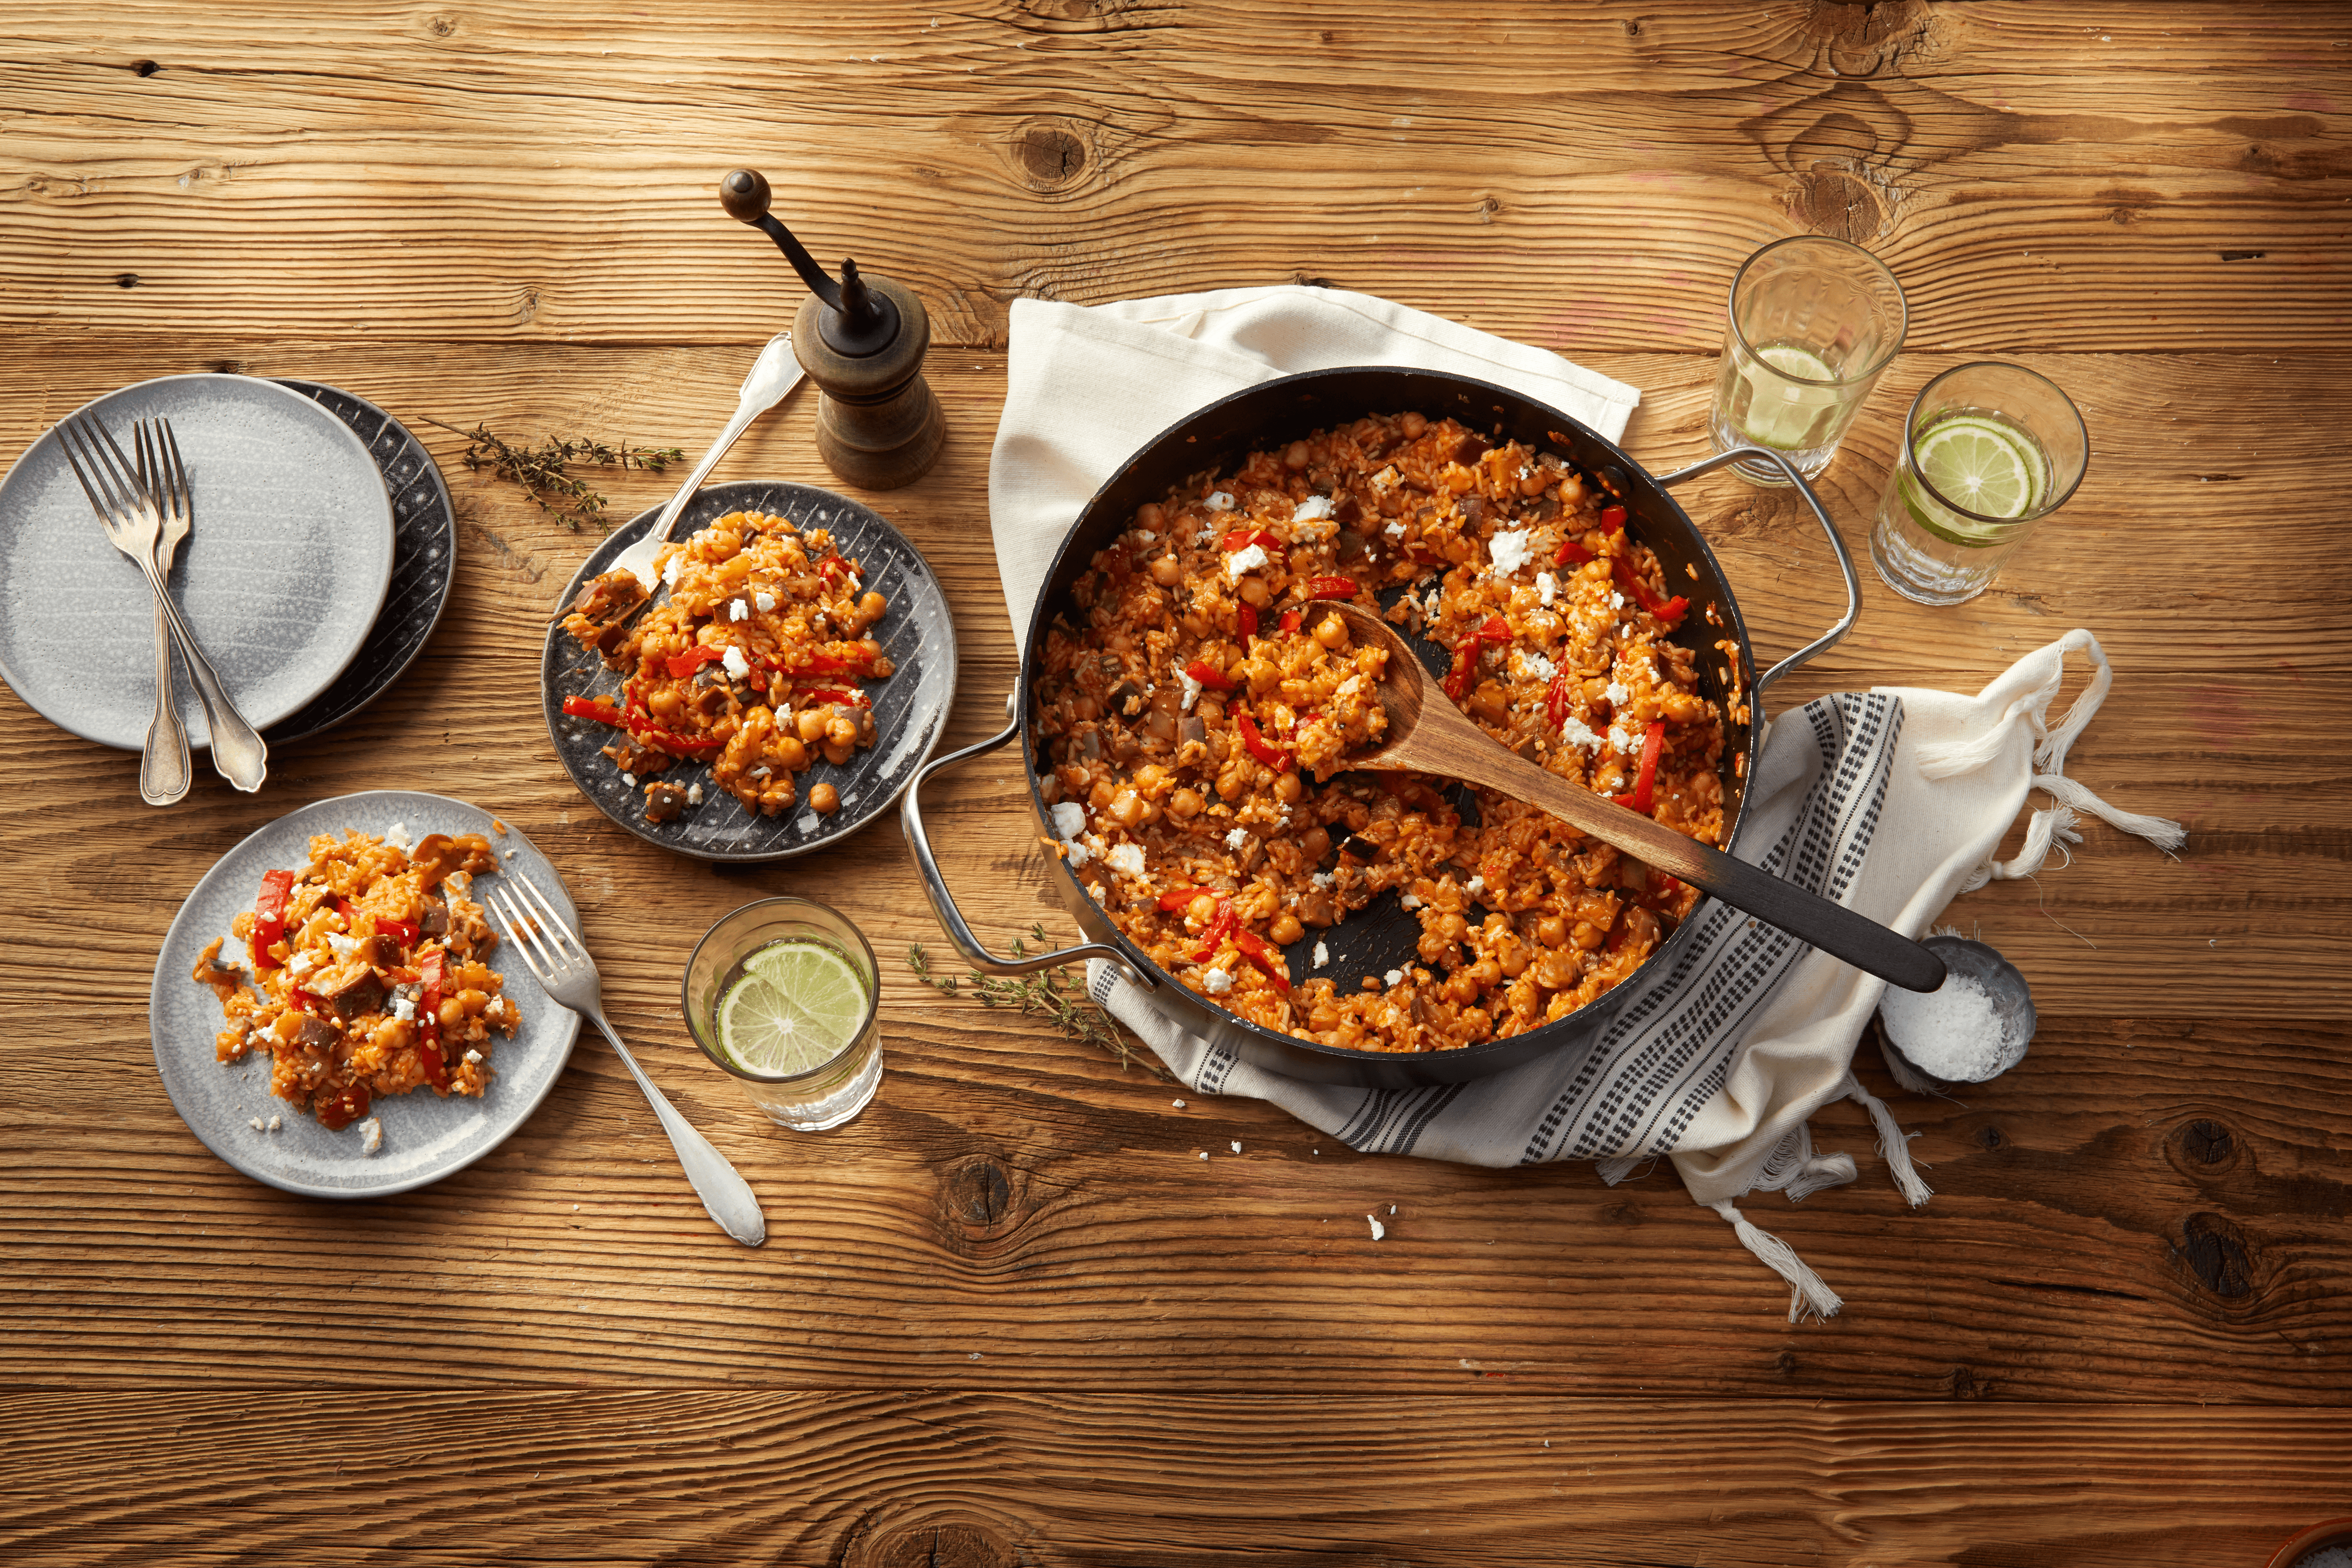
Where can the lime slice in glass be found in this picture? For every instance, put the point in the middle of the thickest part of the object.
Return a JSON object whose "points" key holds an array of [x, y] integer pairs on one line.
{"points": [[795, 1008], [1781, 415], [1987, 467]]}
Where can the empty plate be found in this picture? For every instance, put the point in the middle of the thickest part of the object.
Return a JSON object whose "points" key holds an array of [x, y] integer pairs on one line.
{"points": [[280, 576]]}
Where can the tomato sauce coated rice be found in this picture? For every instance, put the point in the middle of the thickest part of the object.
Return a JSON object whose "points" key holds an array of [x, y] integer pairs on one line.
{"points": [[754, 662], [369, 976], [1197, 719]]}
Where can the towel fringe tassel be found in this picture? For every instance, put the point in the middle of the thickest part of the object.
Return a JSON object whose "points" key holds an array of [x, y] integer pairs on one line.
{"points": [[1894, 1144], [1807, 1294]]}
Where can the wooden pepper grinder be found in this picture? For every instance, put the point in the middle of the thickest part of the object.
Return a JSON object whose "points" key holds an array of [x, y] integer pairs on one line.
{"points": [[862, 340]]}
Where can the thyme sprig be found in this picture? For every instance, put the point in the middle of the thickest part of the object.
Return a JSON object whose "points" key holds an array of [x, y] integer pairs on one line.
{"points": [[1050, 994], [543, 473]]}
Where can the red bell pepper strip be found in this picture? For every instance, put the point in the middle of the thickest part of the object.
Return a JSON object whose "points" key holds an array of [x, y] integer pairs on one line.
{"points": [[1175, 899], [1208, 675], [431, 967], [1254, 948], [1495, 630], [600, 708], [1331, 588], [1613, 519], [1654, 746], [1290, 620], [1643, 595], [1258, 746], [1247, 619], [827, 664], [1465, 665], [1557, 698], [1243, 538], [682, 665], [269, 916], [403, 930], [1570, 550], [834, 694], [832, 566], [1225, 923]]}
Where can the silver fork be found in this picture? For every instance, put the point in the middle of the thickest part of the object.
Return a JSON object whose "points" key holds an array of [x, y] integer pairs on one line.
{"points": [[559, 960], [165, 771], [133, 524]]}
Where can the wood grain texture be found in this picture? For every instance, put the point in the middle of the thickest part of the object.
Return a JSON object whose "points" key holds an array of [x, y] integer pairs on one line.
{"points": [[990, 1480], [1029, 1322]]}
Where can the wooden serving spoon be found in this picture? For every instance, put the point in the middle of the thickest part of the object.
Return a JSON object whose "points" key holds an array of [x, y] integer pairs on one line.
{"points": [[1435, 738]]}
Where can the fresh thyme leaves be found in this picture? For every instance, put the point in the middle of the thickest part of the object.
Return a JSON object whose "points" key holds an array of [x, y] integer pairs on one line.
{"points": [[1050, 994], [542, 470]]}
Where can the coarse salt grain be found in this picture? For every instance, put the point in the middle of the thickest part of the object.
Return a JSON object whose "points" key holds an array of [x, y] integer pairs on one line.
{"points": [[1958, 1032]]}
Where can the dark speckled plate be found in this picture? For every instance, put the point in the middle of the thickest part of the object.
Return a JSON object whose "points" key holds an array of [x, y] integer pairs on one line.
{"points": [[910, 709], [424, 563]]}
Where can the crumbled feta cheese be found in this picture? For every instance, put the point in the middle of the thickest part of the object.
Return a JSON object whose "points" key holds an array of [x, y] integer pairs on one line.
{"points": [[1508, 550], [1577, 732], [275, 1123], [672, 567], [630, 780], [1386, 480], [735, 664], [371, 1135], [1246, 560], [1217, 983], [1617, 694], [257, 1124], [341, 944], [694, 794], [1432, 606], [1409, 901], [1322, 955], [1546, 589], [472, 1056], [1192, 688], [1237, 1145], [1379, 1230], [1177, 1103], [1236, 839], [763, 600], [1127, 859], [302, 963], [1474, 885], [1534, 666], [403, 1008], [1205, 536], [1313, 508], [1616, 600], [1619, 739], [1220, 500], [1322, 879], [1146, 536], [1070, 819], [397, 837], [1395, 977], [1205, 1154], [1394, 530]]}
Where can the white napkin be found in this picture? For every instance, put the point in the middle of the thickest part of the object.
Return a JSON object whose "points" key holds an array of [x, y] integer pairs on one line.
{"points": [[1718, 1064]]}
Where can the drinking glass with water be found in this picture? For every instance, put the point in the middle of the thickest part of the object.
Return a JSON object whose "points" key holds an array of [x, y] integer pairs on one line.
{"points": [[781, 994], [1812, 322]]}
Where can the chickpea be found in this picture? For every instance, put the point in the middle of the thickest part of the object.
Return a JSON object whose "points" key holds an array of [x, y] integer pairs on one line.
{"points": [[1460, 988], [1072, 777], [1256, 594], [1128, 808], [1202, 910], [1552, 930], [1485, 973], [1453, 926], [1166, 571], [1587, 936], [1682, 707], [1285, 929], [838, 755], [451, 1013], [789, 753], [1235, 782], [1315, 842], [1085, 706], [1475, 1022], [1534, 482], [1185, 805], [1101, 795], [473, 1002], [1151, 515], [1287, 789], [1412, 425], [871, 610], [841, 730], [1513, 960], [824, 800], [1294, 457], [666, 702], [811, 724], [1332, 633], [1151, 781], [1556, 972]]}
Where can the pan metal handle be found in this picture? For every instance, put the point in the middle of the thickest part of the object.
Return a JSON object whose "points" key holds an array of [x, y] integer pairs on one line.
{"points": [[1845, 560], [944, 904]]}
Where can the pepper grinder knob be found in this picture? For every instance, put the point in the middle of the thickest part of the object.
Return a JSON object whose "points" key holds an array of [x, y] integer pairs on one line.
{"points": [[862, 340]]}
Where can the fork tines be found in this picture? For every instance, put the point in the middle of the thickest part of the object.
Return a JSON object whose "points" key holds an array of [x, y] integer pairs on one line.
{"points": [[540, 937], [118, 489]]}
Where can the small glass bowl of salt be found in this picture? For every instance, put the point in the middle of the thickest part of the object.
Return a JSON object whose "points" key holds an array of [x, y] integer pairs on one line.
{"points": [[1972, 1028], [2327, 1545]]}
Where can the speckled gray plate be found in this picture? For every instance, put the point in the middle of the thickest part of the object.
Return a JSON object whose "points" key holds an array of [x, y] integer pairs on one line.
{"points": [[426, 1137], [280, 577], [910, 709]]}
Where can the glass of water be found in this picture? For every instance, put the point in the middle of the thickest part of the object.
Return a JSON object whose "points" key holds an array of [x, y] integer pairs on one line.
{"points": [[780, 994], [1988, 451], [1812, 322]]}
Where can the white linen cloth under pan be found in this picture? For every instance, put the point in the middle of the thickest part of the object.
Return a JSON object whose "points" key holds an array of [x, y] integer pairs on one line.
{"points": [[1719, 1063]]}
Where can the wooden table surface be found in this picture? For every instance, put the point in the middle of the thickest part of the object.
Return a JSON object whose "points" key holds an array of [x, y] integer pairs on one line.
{"points": [[1008, 1315]]}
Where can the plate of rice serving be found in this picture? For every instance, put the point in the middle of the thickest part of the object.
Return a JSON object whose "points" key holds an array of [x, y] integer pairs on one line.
{"points": [[329, 1011], [1197, 711], [793, 669]]}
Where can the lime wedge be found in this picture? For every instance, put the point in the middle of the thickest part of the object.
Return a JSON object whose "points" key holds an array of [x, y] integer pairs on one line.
{"points": [[797, 1005], [1782, 416], [1988, 467]]}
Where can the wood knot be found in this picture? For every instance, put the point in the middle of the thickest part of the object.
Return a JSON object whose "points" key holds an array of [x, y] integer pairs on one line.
{"points": [[2206, 1142], [1309, 280], [1989, 1138], [931, 1544], [126, 280], [144, 68], [978, 1192], [1830, 201], [1068, 10], [1052, 155], [1965, 1382], [2203, 1150], [1785, 1363], [442, 26], [2216, 1252], [1487, 207]]}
